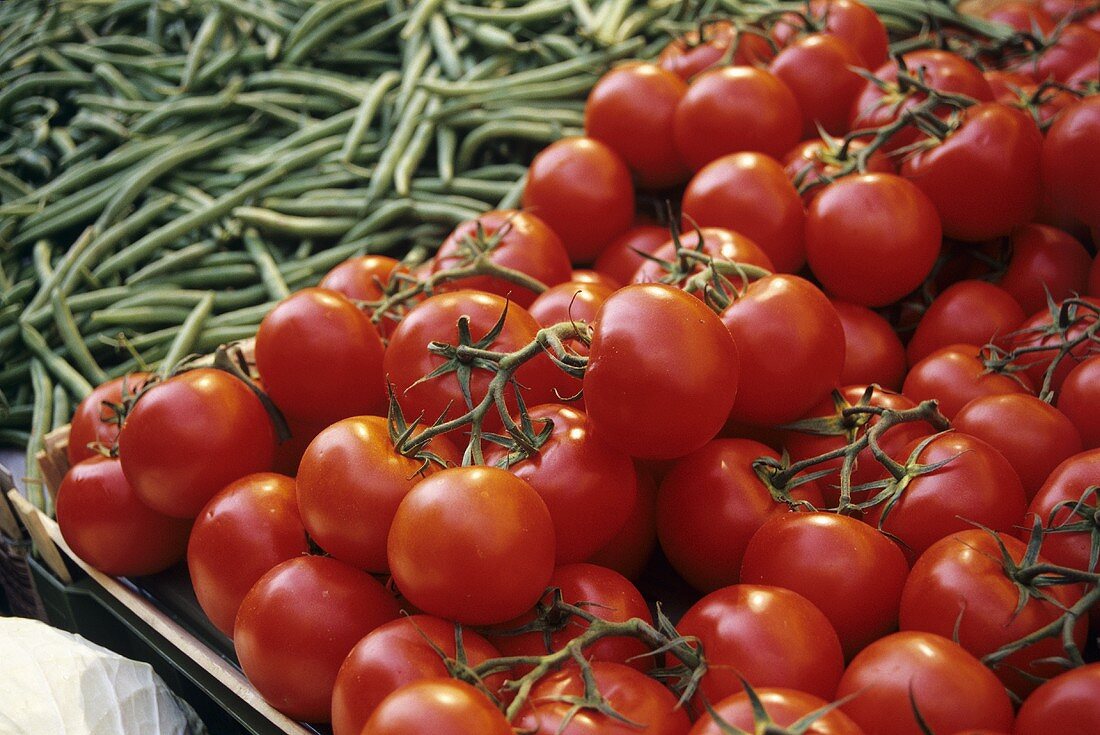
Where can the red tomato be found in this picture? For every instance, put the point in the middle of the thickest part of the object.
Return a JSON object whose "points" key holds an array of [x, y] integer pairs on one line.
{"points": [[1068, 49], [105, 523], [771, 636], [970, 312], [175, 466], [255, 523], [732, 109], [953, 690], [959, 588], [791, 344], [1054, 506], [365, 278], [442, 706], [850, 571], [520, 241], [783, 706], [320, 358], [1022, 16], [635, 399], [721, 244], [815, 158], [629, 550], [472, 544], [871, 239], [1047, 329], [350, 483], [620, 259], [955, 375], [572, 301], [1094, 271], [710, 504], [395, 654], [872, 351], [95, 420], [636, 698], [819, 70], [1071, 159], [1044, 260], [1032, 435], [631, 110], [984, 176], [850, 20], [594, 278], [976, 484], [1079, 400], [1066, 704], [296, 626], [695, 52], [750, 193]]}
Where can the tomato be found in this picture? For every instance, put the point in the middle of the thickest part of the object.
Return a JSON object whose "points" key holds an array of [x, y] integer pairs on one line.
{"points": [[872, 238], [1063, 489], [811, 160], [819, 70], [850, 571], [472, 544], [350, 483], [1079, 400], [955, 375], [791, 344], [105, 523], [983, 176], [971, 312], [1071, 159], [631, 110], [696, 51], [255, 523], [95, 420], [1045, 260], [1032, 435], [519, 240], [407, 359], [1022, 16], [1094, 271], [1046, 329], [710, 504], [959, 588], [1068, 49], [1067, 704], [320, 358], [873, 353], [621, 258], [298, 623], [732, 109], [750, 193], [953, 690], [771, 636], [975, 485], [443, 706], [783, 706], [175, 466], [572, 301], [592, 277], [365, 278], [643, 704], [629, 550], [394, 654], [721, 244], [662, 372], [850, 20]]}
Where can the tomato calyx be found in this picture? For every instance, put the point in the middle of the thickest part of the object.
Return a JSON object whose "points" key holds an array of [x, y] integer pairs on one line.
{"points": [[1083, 517], [403, 434], [230, 359], [763, 724]]}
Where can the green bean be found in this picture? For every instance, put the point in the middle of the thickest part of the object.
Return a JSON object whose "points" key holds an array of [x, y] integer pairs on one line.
{"points": [[512, 199], [435, 211], [57, 274], [43, 253], [418, 54], [64, 214], [185, 106], [16, 415], [136, 316], [171, 261], [61, 370], [417, 146], [113, 78], [489, 36], [446, 50], [323, 130], [321, 22], [256, 13], [533, 11], [353, 207], [39, 81], [62, 407], [295, 186], [270, 221], [380, 216], [209, 28], [40, 424], [238, 56], [188, 334], [446, 143], [265, 264], [70, 337], [382, 179], [212, 277], [365, 113], [376, 34], [339, 87], [494, 129]]}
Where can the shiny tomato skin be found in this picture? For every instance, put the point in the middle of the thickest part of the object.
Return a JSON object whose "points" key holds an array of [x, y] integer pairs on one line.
{"points": [[771, 636], [105, 523], [1045, 260], [1079, 400], [621, 260], [958, 587], [1071, 159], [95, 421], [1072, 46], [296, 626], [791, 344], [850, 20], [970, 312], [955, 375], [873, 353], [365, 278], [631, 109], [818, 69], [1063, 489], [254, 522], [441, 706], [472, 544], [635, 399], [689, 54], [814, 158], [1038, 330], [749, 193], [629, 550], [718, 242], [570, 301], [784, 707], [1022, 16], [395, 654], [176, 466], [952, 688], [1066, 704], [871, 239]]}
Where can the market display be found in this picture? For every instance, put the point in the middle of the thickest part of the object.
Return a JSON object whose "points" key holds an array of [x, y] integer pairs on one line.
{"points": [[788, 311]]}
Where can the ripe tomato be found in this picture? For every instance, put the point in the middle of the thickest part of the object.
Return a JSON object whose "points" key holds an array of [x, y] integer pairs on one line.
{"points": [[1072, 46], [522, 242], [959, 588], [771, 636], [1071, 159], [364, 278], [1063, 489], [850, 20], [971, 312], [629, 550], [735, 108], [570, 301], [721, 244], [105, 523], [395, 654], [175, 466], [255, 523], [631, 110], [873, 353], [95, 421], [472, 544], [955, 375], [1079, 400], [637, 401], [1044, 260], [444, 706], [783, 706], [320, 358], [298, 623], [1045, 328], [696, 51], [1022, 16], [621, 258], [871, 239], [750, 193], [953, 690], [813, 159], [819, 70], [1067, 704]]}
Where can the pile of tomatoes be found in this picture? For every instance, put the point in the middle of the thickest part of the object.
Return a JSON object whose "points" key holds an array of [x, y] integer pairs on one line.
{"points": [[845, 379]]}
